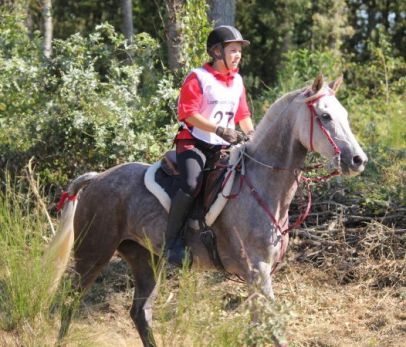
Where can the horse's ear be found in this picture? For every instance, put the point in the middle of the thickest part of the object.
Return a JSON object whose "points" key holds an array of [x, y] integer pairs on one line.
{"points": [[334, 85], [318, 83]]}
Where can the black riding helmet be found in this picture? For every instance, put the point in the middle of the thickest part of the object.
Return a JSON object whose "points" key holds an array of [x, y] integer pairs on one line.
{"points": [[222, 35]]}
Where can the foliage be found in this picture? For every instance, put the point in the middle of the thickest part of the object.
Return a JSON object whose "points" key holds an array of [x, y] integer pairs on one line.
{"points": [[272, 28], [367, 16], [195, 29], [97, 103], [375, 99], [300, 68], [303, 65]]}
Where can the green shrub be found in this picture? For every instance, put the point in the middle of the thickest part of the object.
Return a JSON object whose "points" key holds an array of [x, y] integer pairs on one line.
{"points": [[97, 103]]}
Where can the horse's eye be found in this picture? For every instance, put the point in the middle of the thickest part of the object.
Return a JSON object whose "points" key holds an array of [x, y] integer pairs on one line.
{"points": [[325, 117]]}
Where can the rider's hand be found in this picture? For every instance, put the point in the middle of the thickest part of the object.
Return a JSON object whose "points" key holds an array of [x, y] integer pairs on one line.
{"points": [[230, 135], [249, 136]]}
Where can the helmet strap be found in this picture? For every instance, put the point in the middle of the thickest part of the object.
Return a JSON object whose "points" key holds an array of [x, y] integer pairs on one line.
{"points": [[214, 55], [223, 56]]}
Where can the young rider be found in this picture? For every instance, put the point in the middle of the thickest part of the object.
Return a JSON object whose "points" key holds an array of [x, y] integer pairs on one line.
{"points": [[212, 100]]}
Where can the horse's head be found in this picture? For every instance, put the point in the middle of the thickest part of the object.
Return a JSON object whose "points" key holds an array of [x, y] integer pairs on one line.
{"points": [[325, 128]]}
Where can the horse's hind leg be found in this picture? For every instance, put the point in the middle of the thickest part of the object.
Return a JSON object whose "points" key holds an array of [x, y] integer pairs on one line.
{"points": [[88, 265], [139, 259]]}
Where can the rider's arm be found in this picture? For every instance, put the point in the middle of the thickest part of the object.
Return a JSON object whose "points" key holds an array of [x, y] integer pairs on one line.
{"points": [[246, 125], [243, 115], [198, 121], [189, 104]]}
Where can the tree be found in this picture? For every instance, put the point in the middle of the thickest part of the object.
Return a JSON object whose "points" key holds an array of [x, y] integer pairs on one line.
{"points": [[222, 12], [273, 27], [329, 25], [173, 33], [48, 28], [367, 15], [127, 26]]}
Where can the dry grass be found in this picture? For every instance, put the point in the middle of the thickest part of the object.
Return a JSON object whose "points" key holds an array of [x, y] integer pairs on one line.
{"points": [[325, 312], [332, 314], [344, 287]]}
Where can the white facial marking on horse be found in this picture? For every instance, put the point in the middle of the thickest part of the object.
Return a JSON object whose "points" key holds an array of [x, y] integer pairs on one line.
{"points": [[339, 129]]}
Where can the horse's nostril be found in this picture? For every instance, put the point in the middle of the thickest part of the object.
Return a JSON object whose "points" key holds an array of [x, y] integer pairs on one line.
{"points": [[357, 160]]}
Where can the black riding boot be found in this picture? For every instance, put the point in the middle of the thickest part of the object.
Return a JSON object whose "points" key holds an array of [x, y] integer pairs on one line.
{"points": [[175, 248]]}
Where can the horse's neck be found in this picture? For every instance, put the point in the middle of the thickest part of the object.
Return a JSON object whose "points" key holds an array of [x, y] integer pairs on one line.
{"points": [[277, 147]]}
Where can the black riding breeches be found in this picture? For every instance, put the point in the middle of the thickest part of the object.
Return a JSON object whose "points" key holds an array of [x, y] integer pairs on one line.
{"points": [[192, 157]]}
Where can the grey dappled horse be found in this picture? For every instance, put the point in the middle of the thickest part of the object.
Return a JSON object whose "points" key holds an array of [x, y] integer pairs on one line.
{"points": [[115, 212]]}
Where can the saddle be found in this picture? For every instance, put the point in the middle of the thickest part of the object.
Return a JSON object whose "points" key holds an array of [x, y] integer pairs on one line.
{"points": [[161, 180], [212, 180]]}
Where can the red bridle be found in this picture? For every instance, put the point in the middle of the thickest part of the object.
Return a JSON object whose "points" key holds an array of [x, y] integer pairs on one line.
{"points": [[305, 212], [313, 116]]}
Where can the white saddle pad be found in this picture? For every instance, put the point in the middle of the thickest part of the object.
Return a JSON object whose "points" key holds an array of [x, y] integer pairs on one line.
{"points": [[219, 202]]}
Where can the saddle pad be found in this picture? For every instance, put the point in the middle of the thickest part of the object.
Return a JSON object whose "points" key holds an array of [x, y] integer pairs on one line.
{"points": [[218, 204]]}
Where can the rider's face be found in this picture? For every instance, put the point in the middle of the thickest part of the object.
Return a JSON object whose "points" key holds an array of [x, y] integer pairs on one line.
{"points": [[232, 54]]}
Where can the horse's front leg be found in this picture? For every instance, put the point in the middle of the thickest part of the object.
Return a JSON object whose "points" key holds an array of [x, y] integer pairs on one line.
{"points": [[264, 270], [260, 287], [262, 301]]}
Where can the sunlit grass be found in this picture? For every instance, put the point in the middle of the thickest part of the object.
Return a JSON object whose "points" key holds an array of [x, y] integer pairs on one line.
{"points": [[24, 277], [195, 309]]}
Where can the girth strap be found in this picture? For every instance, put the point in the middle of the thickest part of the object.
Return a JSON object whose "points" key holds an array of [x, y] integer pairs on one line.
{"points": [[208, 238]]}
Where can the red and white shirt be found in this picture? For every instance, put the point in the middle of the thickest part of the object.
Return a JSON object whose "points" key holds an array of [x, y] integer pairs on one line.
{"points": [[218, 97]]}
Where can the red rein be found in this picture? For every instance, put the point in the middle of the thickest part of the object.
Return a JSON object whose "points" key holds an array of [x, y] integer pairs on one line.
{"points": [[305, 212], [303, 215]]}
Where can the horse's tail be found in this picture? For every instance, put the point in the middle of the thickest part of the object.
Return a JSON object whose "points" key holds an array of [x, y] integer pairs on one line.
{"points": [[57, 253]]}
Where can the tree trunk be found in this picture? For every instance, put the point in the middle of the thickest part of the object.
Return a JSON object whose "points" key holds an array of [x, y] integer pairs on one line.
{"points": [[47, 17], [222, 12], [173, 33], [29, 21], [127, 26]]}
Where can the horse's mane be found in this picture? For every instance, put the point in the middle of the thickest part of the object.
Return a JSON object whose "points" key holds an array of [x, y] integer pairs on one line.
{"points": [[275, 110], [280, 105]]}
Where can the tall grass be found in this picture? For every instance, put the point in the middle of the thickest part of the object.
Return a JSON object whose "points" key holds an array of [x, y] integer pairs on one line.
{"points": [[24, 279], [195, 309]]}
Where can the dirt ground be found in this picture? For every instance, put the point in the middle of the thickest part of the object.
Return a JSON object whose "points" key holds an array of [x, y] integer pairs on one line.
{"points": [[326, 313]]}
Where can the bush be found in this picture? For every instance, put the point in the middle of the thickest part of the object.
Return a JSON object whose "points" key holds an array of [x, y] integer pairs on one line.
{"points": [[97, 103]]}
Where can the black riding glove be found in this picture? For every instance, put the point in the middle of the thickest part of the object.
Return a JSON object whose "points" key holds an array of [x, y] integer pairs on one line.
{"points": [[230, 135]]}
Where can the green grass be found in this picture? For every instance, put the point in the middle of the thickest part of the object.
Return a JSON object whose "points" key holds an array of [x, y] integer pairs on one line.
{"points": [[24, 279]]}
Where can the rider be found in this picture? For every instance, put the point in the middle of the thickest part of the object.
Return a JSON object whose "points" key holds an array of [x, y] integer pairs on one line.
{"points": [[212, 100]]}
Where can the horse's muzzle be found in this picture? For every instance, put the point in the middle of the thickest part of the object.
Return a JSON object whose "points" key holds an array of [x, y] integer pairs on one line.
{"points": [[354, 164]]}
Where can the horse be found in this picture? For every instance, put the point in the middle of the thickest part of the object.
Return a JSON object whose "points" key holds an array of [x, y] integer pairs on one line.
{"points": [[114, 211]]}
